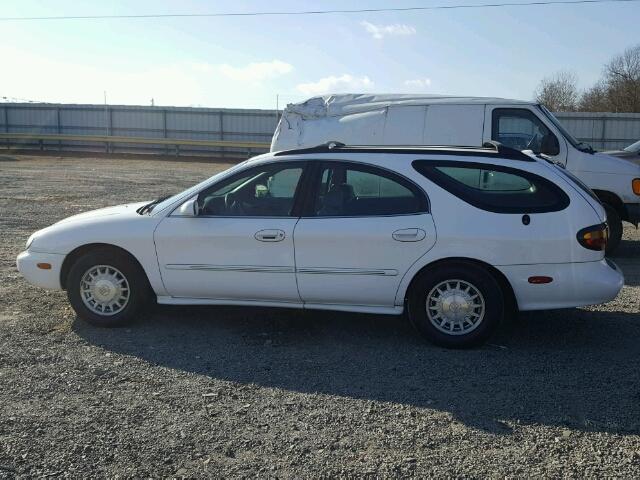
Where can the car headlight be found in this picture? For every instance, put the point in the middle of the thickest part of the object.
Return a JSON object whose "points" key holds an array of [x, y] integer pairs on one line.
{"points": [[29, 242]]}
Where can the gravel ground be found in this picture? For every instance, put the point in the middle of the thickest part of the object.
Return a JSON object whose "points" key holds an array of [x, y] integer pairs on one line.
{"points": [[192, 392]]}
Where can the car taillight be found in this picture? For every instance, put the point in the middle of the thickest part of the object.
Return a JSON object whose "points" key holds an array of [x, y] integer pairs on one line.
{"points": [[594, 237]]}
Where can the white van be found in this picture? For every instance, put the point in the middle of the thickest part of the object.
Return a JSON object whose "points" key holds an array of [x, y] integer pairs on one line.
{"points": [[463, 121]]}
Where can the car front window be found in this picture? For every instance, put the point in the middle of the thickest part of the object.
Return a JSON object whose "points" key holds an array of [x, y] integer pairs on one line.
{"points": [[519, 128], [265, 191], [196, 188]]}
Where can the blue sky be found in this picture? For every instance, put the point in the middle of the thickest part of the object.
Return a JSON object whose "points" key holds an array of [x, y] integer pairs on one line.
{"points": [[247, 61]]}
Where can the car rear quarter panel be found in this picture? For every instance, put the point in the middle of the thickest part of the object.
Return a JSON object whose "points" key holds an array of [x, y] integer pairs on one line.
{"points": [[464, 231]]}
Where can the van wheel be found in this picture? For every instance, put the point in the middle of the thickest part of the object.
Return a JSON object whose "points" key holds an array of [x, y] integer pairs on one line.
{"points": [[106, 288], [615, 228], [457, 305]]}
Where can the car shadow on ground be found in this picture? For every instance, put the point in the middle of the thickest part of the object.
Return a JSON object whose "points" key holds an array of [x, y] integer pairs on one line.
{"points": [[575, 368], [628, 249]]}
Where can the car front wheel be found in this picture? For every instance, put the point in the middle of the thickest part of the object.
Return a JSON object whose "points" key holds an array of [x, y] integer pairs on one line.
{"points": [[456, 305], [106, 288]]}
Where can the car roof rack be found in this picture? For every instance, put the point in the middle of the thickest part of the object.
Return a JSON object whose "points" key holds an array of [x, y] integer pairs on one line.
{"points": [[488, 148]]}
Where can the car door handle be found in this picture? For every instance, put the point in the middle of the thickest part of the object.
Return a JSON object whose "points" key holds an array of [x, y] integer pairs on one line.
{"points": [[270, 235], [409, 235]]}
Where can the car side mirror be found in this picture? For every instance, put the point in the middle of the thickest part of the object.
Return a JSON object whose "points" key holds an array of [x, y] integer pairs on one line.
{"points": [[550, 145], [188, 208]]}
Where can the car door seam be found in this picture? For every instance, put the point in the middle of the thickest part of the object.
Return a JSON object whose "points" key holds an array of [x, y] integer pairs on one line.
{"points": [[295, 262], [155, 247]]}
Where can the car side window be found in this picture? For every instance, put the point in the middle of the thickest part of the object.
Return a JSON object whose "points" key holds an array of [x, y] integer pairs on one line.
{"points": [[354, 191], [519, 128], [495, 188], [490, 180], [266, 191]]}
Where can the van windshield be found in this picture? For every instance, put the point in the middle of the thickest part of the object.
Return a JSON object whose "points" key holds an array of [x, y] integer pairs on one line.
{"points": [[584, 147]]}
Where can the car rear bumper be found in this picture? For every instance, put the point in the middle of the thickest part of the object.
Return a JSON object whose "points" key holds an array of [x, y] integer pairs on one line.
{"points": [[573, 285], [27, 263], [633, 213]]}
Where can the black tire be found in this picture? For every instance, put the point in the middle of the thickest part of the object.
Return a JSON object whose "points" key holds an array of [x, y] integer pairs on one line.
{"points": [[615, 228], [139, 290], [476, 276]]}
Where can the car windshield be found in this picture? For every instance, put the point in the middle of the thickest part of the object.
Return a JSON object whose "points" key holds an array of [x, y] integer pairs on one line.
{"points": [[193, 190], [579, 145], [633, 148]]}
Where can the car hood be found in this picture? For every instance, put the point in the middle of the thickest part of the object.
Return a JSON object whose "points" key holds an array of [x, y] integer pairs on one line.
{"points": [[605, 163], [125, 209], [87, 227]]}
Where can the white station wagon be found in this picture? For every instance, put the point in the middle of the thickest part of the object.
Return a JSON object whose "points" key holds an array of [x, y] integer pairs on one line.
{"points": [[457, 237]]}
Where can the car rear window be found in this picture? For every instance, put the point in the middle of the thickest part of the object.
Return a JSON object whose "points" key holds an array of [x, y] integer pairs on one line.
{"points": [[495, 188]]}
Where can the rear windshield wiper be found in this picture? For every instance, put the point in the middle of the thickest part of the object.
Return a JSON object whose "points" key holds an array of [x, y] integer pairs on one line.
{"points": [[149, 206]]}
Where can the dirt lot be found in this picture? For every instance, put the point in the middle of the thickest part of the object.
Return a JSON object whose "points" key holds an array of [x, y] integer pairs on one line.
{"points": [[243, 392]]}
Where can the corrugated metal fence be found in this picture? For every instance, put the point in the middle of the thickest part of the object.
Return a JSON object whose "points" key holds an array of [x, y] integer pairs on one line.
{"points": [[602, 130], [136, 121]]}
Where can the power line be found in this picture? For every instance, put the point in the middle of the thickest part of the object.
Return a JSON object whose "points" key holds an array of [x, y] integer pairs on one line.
{"points": [[317, 12]]}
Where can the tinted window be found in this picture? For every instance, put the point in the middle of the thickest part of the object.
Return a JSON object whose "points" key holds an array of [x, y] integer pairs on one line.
{"points": [[349, 190], [266, 191], [495, 188], [489, 180], [521, 129]]}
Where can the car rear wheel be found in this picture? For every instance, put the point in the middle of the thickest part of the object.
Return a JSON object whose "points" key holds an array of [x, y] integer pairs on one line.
{"points": [[457, 305], [106, 288], [615, 228]]}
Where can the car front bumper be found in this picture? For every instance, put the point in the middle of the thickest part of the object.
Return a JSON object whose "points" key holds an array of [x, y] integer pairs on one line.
{"points": [[573, 285], [633, 213], [27, 263]]}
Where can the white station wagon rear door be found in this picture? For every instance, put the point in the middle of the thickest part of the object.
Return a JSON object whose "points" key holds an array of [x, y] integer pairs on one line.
{"points": [[365, 227]]}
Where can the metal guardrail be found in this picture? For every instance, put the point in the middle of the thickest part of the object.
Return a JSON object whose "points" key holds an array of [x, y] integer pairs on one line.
{"points": [[108, 140]]}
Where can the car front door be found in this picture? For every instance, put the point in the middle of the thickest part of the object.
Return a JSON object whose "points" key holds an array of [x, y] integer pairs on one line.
{"points": [[363, 228], [239, 245]]}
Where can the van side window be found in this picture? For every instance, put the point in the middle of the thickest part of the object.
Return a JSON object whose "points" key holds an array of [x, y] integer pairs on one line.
{"points": [[495, 188], [349, 190], [519, 128]]}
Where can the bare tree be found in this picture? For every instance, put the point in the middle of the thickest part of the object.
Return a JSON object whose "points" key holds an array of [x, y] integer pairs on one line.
{"points": [[622, 77], [559, 93], [595, 99], [617, 91]]}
